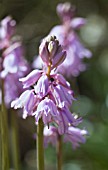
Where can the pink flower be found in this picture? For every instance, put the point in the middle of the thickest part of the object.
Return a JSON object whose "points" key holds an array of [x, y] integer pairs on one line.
{"points": [[65, 119], [7, 29], [50, 135], [13, 61], [65, 11], [73, 64], [47, 110], [75, 136], [31, 78], [27, 101], [41, 89]]}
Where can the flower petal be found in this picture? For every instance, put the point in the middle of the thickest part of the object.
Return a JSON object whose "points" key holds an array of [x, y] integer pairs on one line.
{"points": [[31, 78]]}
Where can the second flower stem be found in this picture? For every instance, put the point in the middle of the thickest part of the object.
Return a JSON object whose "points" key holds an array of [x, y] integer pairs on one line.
{"points": [[59, 153], [15, 139], [4, 133], [40, 147], [0, 139]]}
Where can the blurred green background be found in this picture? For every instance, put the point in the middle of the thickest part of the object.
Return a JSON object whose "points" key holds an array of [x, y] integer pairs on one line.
{"points": [[34, 19]]}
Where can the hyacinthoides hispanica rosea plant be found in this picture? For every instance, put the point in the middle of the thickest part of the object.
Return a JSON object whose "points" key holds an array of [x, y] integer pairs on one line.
{"points": [[13, 66], [48, 98], [4, 123], [69, 39]]}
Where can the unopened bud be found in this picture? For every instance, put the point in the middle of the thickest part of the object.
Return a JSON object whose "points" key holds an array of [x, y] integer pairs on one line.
{"points": [[51, 52], [65, 11]]}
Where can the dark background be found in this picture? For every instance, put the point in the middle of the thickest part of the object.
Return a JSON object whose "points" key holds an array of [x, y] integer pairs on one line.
{"points": [[34, 19]]}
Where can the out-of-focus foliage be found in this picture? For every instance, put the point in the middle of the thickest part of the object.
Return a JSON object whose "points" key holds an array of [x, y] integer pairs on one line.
{"points": [[35, 18]]}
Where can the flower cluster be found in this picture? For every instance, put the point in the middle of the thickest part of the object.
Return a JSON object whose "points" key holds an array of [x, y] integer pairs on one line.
{"points": [[49, 95], [67, 36], [73, 135], [12, 62], [70, 40]]}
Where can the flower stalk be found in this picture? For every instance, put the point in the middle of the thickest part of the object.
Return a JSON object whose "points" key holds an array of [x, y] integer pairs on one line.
{"points": [[15, 144], [0, 140], [49, 70], [40, 147], [4, 133], [59, 153]]}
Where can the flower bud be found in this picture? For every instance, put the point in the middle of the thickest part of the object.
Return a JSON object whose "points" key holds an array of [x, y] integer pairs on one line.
{"points": [[59, 57], [43, 52], [65, 11], [52, 47], [7, 27], [51, 52]]}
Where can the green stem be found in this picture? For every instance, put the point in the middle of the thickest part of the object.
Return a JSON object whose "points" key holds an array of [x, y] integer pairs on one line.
{"points": [[15, 143], [0, 141], [40, 148], [59, 153], [4, 133]]}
